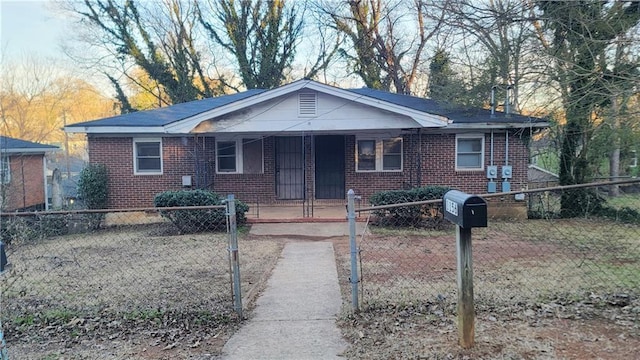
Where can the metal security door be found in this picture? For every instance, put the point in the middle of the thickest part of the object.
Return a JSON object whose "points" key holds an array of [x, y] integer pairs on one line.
{"points": [[329, 152], [289, 168]]}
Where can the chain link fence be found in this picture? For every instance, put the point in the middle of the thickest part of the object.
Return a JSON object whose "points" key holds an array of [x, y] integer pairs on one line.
{"points": [[112, 285], [407, 253]]}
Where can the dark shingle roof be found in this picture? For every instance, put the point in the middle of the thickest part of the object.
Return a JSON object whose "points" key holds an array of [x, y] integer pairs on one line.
{"points": [[459, 115], [170, 114], [8, 144], [167, 115]]}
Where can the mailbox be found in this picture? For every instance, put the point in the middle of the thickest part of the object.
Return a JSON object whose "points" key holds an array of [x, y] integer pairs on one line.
{"points": [[464, 210]]}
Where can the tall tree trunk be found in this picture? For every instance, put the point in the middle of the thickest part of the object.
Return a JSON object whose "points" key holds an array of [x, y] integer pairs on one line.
{"points": [[614, 157]]}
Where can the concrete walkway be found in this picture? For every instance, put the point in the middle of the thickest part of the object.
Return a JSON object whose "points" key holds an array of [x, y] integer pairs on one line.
{"points": [[295, 316]]}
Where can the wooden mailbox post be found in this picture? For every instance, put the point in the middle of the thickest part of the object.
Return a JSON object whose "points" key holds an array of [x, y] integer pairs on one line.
{"points": [[466, 211]]}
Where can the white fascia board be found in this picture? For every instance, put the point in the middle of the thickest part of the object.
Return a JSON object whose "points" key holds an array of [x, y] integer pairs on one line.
{"points": [[186, 125], [28, 151], [422, 118], [493, 126], [115, 130]]}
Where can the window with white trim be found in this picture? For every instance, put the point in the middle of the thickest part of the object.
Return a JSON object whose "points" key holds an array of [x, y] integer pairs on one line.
{"points": [[5, 170], [469, 152], [243, 156], [379, 154], [147, 156]]}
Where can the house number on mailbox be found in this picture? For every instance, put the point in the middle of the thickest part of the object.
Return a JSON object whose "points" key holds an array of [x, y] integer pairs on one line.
{"points": [[451, 207]]}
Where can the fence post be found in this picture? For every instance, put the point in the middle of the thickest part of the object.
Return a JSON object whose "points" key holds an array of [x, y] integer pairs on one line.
{"points": [[233, 254], [3, 345], [351, 215]]}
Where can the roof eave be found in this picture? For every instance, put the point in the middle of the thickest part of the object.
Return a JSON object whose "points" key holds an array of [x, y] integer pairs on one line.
{"points": [[509, 125], [114, 129], [29, 150]]}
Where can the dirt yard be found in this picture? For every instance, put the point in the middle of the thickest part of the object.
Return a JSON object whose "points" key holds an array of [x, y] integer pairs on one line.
{"points": [[532, 300], [135, 292], [147, 293]]}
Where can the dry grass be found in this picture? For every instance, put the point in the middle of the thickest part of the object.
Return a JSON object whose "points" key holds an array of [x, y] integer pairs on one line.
{"points": [[535, 283], [131, 286]]}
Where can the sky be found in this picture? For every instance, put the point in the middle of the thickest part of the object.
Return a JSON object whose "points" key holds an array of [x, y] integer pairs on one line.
{"points": [[30, 27]]}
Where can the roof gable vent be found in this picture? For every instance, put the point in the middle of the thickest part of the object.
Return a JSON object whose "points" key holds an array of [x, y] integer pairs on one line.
{"points": [[307, 104]]}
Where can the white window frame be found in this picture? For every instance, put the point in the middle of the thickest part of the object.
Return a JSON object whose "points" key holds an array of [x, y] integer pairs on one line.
{"points": [[136, 171], [379, 149], [480, 137], [5, 159], [239, 144]]}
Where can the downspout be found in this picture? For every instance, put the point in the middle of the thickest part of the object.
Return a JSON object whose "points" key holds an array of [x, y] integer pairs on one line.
{"points": [[44, 174], [491, 156], [419, 175], [506, 148], [24, 188]]}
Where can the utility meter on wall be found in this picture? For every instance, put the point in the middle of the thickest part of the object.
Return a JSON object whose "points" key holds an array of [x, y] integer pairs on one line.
{"points": [[492, 172], [506, 172]]}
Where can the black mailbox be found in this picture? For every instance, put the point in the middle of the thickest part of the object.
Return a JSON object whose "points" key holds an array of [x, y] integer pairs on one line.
{"points": [[464, 210], [3, 257]]}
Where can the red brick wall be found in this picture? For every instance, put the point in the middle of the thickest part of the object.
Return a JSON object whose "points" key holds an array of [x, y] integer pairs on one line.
{"points": [[127, 190], [438, 160], [26, 187], [250, 187], [434, 166]]}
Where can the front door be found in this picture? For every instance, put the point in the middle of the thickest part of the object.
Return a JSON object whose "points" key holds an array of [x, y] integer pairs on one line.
{"points": [[289, 168], [329, 152]]}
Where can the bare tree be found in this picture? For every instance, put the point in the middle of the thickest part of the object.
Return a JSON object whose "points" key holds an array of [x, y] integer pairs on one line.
{"points": [[262, 36], [34, 97], [500, 35], [158, 37], [387, 39], [581, 45]]}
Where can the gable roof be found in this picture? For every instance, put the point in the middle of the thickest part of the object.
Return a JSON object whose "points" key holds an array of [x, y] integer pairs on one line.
{"points": [[14, 146], [182, 118]]}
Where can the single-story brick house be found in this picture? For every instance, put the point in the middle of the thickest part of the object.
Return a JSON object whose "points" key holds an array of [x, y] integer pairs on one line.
{"points": [[307, 140], [23, 184]]}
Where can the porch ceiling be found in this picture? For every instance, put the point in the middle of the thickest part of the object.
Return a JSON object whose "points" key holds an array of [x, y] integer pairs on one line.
{"points": [[304, 125]]}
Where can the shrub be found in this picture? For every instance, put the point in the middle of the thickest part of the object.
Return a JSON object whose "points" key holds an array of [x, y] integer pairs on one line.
{"points": [[93, 190], [24, 229], [625, 214], [429, 215], [189, 221]]}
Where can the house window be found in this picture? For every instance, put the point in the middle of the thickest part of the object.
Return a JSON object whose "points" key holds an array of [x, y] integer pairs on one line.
{"points": [[226, 151], [379, 154], [469, 152], [5, 171], [147, 156], [243, 156]]}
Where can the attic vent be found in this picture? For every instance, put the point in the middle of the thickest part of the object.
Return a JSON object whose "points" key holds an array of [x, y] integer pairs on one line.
{"points": [[307, 104]]}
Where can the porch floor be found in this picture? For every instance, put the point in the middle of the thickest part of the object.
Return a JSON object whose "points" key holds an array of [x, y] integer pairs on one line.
{"points": [[300, 212]]}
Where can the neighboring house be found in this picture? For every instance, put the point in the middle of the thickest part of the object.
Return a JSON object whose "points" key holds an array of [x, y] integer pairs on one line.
{"points": [[69, 169], [22, 174], [540, 178], [307, 140]]}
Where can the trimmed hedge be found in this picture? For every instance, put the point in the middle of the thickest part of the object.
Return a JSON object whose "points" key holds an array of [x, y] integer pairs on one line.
{"points": [[94, 191], [190, 221], [429, 215]]}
